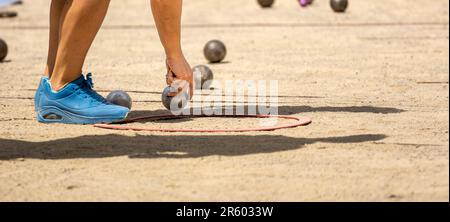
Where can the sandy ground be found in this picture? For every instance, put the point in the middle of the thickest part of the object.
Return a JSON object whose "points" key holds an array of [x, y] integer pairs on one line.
{"points": [[374, 80]]}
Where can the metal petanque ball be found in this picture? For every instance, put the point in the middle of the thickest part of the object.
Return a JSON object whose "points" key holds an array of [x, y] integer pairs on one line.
{"points": [[266, 3], [203, 76], [339, 5], [120, 98], [3, 50], [8, 14], [215, 51], [175, 103]]}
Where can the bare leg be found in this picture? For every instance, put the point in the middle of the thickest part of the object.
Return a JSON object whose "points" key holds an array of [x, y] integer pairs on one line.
{"points": [[78, 28], [56, 11], [167, 15]]}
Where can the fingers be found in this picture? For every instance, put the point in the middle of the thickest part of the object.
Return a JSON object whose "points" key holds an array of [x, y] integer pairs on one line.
{"points": [[178, 86], [189, 85], [180, 77], [170, 77]]}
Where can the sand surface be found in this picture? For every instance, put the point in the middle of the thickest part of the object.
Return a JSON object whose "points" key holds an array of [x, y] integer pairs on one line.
{"points": [[374, 81]]}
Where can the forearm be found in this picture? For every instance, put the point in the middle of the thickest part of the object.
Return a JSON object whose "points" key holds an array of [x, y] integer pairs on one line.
{"points": [[167, 15]]}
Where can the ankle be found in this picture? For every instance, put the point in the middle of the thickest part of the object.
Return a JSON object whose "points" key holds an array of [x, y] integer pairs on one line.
{"points": [[57, 85], [58, 82]]}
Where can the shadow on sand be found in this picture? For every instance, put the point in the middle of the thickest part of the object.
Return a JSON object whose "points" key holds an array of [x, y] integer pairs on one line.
{"points": [[157, 146], [189, 146]]}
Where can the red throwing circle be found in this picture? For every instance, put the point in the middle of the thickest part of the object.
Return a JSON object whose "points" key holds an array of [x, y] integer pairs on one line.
{"points": [[299, 121]]}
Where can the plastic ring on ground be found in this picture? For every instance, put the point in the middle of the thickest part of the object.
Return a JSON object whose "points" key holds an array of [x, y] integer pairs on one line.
{"points": [[299, 121]]}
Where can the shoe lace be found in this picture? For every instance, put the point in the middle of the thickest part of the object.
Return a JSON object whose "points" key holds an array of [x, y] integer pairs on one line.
{"points": [[87, 87]]}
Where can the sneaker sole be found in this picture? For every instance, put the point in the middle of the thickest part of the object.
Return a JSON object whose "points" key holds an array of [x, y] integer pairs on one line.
{"points": [[55, 115]]}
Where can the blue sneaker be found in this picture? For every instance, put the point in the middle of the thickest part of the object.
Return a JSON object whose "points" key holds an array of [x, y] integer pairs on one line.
{"points": [[76, 103]]}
